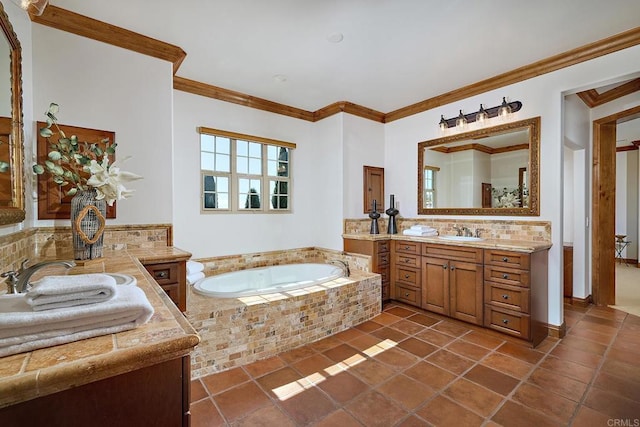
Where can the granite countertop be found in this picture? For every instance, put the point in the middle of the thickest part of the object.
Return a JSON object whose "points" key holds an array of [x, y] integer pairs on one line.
{"points": [[506, 244], [166, 336]]}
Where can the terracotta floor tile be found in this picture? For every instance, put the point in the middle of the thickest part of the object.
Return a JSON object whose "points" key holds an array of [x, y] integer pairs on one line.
{"points": [[205, 414], [595, 327], [261, 367], [477, 398], [515, 415], [349, 334], [373, 409], [622, 356], [408, 327], [564, 386], [572, 354], [386, 318], [400, 312], [508, 365], [423, 319], [624, 344], [396, 358], [550, 404], [241, 400], [612, 404], [338, 418], [297, 354], [414, 421], [492, 379], [569, 369], [197, 390], [406, 391], [325, 344], [268, 416], [341, 353], [365, 342], [317, 364], [589, 317], [343, 387], [389, 334], [624, 387], [417, 347], [587, 417], [368, 326], [431, 375], [468, 350], [215, 383], [450, 328], [584, 345], [435, 337], [443, 412], [282, 383], [308, 406], [547, 344], [484, 340], [372, 372], [520, 352], [590, 335], [450, 361]]}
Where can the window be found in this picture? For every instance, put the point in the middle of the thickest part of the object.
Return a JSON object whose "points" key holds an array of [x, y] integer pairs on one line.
{"points": [[430, 186], [243, 173]]}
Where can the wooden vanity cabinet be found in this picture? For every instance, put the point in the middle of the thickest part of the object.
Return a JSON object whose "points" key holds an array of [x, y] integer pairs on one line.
{"points": [[405, 271], [380, 253], [172, 278], [452, 282]]}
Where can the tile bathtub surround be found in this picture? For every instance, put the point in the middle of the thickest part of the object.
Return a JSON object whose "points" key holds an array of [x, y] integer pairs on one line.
{"points": [[407, 367], [237, 331], [537, 231]]}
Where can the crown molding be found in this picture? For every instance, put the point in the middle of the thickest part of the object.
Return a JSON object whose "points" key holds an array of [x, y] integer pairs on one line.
{"points": [[592, 98], [81, 25]]}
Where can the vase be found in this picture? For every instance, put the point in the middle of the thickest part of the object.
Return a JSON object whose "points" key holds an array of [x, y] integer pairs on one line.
{"points": [[87, 224]]}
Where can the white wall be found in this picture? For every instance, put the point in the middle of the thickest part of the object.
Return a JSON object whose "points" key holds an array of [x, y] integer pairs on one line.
{"points": [[627, 200]]}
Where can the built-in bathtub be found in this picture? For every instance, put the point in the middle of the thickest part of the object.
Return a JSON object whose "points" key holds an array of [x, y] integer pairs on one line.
{"points": [[267, 280]]}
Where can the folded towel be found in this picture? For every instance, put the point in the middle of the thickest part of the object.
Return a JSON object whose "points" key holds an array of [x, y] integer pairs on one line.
{"points": [[194, 267], [193, 278], [22, 329], [420, 233], [422, 228], [68, 291]]}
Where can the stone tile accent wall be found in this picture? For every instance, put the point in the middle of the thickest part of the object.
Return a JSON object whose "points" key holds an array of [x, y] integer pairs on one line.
{"points": [[236, 331], [536, 231]]}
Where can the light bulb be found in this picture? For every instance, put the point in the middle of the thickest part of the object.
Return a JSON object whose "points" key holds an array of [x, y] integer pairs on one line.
{"points": [[482, 115], [504, 109], [443, 123], [461, 121]]}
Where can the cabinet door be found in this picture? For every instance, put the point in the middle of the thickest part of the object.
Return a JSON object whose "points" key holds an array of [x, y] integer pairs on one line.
{"points": [[373, 188], [435, 285], [465, 287]]}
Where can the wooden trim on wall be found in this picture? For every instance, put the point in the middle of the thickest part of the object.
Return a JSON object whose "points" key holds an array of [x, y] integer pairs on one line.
{"points": [[557, 331], [592, 98], [631, 147], [245, 137], [84, 26], [351, 108]]}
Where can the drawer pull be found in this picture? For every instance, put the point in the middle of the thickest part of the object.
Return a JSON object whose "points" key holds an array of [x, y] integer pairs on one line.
{"points": [[505, 276], [452, 268], [505, 321], [505, 259], [406, 276], [161, 274], [444, 266], [406, 260], [406, 295], [406, 248], [505, 296]]}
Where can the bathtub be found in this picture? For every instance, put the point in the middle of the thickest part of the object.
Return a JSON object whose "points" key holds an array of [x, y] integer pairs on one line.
{"points": [[266, 280]]}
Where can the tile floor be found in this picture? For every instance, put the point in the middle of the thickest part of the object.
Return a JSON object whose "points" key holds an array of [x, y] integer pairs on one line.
{"points": [[407, 367]]}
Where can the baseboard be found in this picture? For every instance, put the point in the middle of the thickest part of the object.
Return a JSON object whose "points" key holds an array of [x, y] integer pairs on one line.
{"points": [[581, 302], [557, 331], [628, 261]]}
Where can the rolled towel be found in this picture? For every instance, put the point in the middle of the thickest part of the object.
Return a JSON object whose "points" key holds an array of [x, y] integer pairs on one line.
{"points": [[22, 330], [422, 228], [193, 278], [68, 291], [420, 233], [194, 267]]}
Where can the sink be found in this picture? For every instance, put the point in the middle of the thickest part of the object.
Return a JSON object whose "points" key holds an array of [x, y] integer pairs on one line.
{"points": [[461, 238]]}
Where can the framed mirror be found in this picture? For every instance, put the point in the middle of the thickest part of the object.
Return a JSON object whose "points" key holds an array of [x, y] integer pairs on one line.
{"points": [[490, 171], [11, 131]]}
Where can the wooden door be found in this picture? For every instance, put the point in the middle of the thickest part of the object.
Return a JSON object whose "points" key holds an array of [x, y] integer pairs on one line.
{"points": [[486, 195], [373, 188], [465, 288], [435, 285]]}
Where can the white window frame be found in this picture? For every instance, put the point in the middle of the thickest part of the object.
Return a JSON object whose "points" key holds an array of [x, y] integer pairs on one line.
{"points": [[432, 189]]}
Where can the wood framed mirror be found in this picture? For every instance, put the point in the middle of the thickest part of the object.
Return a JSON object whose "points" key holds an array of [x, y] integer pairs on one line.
{"points": [[489, 171], [11, 132]]}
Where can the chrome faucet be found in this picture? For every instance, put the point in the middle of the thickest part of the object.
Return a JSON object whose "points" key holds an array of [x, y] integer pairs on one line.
{"points": [[342, 264], [458, 230], [467, 232], [19, 280]]}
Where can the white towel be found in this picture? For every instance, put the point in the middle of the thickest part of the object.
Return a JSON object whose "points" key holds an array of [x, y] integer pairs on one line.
{"points": [[194, 267], [68, 291], [420, 233], [193, 278], [22, 329], [422, 228]]}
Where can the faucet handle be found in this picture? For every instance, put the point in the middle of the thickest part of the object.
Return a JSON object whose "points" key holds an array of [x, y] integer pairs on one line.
{"points": [[23, 265], [12, 283], [478, 231]]}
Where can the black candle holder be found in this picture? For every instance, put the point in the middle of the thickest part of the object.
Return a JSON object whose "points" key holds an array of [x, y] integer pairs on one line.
{"points": [[392, 212], [374, 215]]}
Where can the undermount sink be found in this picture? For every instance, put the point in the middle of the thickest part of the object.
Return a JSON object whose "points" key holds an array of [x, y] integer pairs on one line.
{"points": [[461, 238]]}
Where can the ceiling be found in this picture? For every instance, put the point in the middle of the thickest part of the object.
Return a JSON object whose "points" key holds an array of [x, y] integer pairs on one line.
{"points": [[394, 53]]}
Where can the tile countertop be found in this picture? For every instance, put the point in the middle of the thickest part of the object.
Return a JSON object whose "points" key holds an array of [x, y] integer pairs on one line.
{"points": [[509, 245], [166, 336]]}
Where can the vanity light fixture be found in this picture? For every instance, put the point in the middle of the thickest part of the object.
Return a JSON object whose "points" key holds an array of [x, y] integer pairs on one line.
{"points": [[480, 116]]}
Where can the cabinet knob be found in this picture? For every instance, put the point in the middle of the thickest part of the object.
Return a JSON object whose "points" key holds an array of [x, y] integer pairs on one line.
{"points": [[406, 248], [505, 321], [505, 276], [505, 296], [161, 274], [505, 259], [452, 268], [444, 266], [406, 294], [406, 276]]}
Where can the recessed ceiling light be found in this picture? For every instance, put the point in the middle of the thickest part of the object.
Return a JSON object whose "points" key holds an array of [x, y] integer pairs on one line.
{"points": [[280, 78], [335, 37]]}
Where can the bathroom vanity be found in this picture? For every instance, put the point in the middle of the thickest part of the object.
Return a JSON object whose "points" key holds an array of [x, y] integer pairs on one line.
{"points": [[136, 377], [497, 284]]}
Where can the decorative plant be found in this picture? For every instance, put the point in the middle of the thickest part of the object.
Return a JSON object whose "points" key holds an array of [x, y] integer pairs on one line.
{"points": [[505, 198], [83, 165]]}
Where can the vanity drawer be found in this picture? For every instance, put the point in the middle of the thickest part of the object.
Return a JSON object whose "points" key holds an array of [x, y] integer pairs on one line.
{"points": [[456, 253], [385, 275], [506, 296], [383, 246], [507, 276], [409, 295], [165, 273], [507, 259], [383, 259], [407, 260], [408, 247], [407, 276], [509, 322]]}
